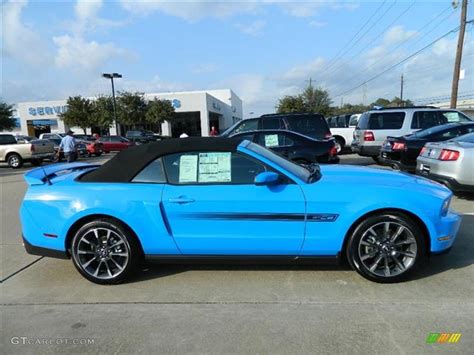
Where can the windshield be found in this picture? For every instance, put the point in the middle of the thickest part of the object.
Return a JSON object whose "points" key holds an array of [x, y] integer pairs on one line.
{"points": [[303, 173]]}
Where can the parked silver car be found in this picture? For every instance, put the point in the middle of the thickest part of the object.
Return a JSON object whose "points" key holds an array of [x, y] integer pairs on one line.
{"points": [[376, 125], [450, 163]]}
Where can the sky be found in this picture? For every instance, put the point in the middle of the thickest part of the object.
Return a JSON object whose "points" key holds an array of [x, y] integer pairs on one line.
{"points": [[261, 50]]}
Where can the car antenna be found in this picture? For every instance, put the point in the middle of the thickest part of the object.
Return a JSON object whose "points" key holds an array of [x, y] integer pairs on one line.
{"points": [[46, 177]]}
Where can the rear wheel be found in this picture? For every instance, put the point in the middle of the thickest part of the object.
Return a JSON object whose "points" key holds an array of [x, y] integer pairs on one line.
{"points": [[386, 248], [340, 143], [98, 154], [15, 161], [36, 162], [105, 252]]}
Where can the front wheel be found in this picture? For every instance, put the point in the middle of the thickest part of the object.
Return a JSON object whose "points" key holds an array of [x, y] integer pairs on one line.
{"points": [[386, 248], [105, 252]]}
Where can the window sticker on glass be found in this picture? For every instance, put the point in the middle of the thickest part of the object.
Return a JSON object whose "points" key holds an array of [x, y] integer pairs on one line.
{"points": [[214, 167], [188, 168], [271, 140]]}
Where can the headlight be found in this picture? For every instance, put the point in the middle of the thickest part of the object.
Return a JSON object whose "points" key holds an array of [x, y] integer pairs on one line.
{"points": [[445, 207]]}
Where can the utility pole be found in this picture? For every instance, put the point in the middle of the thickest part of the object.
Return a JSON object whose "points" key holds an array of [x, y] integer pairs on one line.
{"points": [[401, 92], [457, 62], [310, 82], [111, 76]]}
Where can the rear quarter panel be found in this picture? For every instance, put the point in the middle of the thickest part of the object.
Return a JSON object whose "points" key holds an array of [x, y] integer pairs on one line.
{"points": [[54, 209]]}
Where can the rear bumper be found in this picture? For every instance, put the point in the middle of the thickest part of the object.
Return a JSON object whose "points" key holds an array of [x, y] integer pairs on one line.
{"points": [[35, 250], [450, 182], [366, 150], [385, 160]]}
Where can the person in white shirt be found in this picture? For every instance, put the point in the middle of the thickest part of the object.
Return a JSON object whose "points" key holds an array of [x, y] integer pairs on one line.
{"points": [[68, 147]]}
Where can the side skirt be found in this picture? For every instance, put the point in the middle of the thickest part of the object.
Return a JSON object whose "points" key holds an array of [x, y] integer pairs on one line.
{"points": [[242, 259]]}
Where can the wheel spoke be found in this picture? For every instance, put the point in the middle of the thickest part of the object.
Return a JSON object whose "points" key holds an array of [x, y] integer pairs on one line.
{"points": [[115, 244], [410, 254], [108, 269], [98, 268], [402, 242], [118, 254], [399, 264], [83, 239], [96, 233], [117, 264], [85, 252], [108, 234], [87, 263], [375, 264], [371, 231], [397, 233], [386, 228], [368, 256], [387, 268]]}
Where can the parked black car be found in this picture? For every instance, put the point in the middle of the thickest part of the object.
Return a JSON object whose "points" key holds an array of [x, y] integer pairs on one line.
{"points": [[294, 146], [141, 136], [309, 124], [401, 152]]}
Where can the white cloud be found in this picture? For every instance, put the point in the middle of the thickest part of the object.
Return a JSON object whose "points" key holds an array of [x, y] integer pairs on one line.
{"points": [[16, 36], [252, 29], [80, 55], [190, 10], [317, 24], [204, 68]]}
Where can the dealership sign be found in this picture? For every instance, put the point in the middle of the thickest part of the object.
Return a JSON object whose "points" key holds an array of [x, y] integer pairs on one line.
{"points": [[47, 110]]}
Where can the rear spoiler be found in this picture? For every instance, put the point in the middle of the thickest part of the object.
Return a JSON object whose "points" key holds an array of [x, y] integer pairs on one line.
{"points": [[42, 175]]}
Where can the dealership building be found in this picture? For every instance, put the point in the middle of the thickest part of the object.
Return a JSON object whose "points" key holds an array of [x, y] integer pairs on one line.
{"points": [[196, 113]]}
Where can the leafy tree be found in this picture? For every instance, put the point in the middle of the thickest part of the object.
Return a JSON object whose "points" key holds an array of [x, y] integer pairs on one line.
{"points": [[159, 111], [7, 122], [380, 102], [131, 108], [103, 111], [317, 100], [348, 109], [397, 102], [290, 104], [79, 113], [310, 100]]}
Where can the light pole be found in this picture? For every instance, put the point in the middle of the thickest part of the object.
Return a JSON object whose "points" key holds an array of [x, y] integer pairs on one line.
{"points": [[111, 76]]}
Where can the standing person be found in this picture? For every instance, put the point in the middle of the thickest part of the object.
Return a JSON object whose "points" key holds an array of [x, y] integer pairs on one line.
{"points": [[68, 146], [214, 132]]}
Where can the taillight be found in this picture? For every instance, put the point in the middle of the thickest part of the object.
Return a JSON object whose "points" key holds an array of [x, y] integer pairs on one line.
{"points": [[399, 146], [328, 135], [32, 148], [369, 136], [423, 150], [448, 155], [333, 151]]}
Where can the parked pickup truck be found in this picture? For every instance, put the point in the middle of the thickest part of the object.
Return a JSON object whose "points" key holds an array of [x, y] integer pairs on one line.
{"points": [[15, 154]]}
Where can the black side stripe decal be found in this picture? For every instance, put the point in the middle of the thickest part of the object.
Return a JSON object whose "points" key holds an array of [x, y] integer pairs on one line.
{"points": [[290, 217], [165, 219]]}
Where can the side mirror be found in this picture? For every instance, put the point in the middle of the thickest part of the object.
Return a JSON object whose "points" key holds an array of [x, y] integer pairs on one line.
{"points": [[267, 178]]}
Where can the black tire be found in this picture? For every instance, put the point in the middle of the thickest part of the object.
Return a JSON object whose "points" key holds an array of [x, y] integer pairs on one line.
{"points": [[363, 254], [95, 253], [36, 162], [15, 161], [341, 142], [98, 154]]}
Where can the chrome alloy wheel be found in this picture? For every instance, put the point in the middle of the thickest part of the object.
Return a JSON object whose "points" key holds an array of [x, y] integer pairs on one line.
{"points": [[14, 161], [102, 253], [387, 249]]}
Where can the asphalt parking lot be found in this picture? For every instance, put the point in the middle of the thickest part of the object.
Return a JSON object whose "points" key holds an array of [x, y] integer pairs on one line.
{"points": [[228, 308]]}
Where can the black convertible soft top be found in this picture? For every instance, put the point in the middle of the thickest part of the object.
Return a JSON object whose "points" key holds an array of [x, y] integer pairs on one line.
{"points": [[128, 163]]}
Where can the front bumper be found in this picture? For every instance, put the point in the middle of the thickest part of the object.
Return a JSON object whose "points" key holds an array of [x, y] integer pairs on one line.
{"points": [[446, 231]]}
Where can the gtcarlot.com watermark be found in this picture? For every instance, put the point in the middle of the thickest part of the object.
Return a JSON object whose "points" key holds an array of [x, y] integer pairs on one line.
{"points": [[51, 341]]}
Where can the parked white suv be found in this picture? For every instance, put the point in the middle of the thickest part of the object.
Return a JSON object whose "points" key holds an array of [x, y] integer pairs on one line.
{"points": [[342, 129], [376, 125]]}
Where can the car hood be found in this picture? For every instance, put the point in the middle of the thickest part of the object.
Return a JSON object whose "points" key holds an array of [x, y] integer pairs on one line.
{"points": [[374, 177]]}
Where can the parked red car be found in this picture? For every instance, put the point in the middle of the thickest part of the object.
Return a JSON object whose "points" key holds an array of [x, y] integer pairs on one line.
{"points": [[92, 145], [114, 143]]}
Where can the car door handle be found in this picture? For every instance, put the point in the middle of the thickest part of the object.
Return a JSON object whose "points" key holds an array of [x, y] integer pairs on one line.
{"points": [[181, 199]]}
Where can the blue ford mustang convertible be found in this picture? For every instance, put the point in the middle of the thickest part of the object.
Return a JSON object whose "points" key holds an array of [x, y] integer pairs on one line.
{"points": [[195, 198]]}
